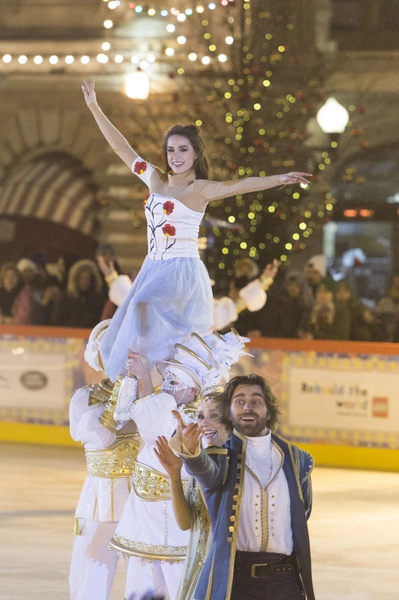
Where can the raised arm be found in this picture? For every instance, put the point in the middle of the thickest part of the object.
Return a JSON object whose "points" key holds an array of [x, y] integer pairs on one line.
{"points": [[172, 465], [115, 139], [216, 190]]}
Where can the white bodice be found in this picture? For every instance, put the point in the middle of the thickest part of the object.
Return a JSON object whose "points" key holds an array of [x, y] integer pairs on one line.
{"points": [[172, 228]]}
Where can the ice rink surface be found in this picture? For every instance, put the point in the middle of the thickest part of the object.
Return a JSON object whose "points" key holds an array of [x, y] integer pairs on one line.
{"points": [[354, 527]]}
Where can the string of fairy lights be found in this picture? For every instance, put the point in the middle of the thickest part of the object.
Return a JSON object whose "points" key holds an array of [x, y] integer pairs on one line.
{"points": [[252, 122]]}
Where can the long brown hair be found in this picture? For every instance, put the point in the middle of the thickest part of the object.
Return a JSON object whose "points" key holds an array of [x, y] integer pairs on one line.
{"points": [[192, 133], [270, 399]]}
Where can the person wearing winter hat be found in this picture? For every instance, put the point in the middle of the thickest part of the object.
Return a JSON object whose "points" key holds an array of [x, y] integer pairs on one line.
{"points": [[315, 270], [110, 455], [148, 533]]}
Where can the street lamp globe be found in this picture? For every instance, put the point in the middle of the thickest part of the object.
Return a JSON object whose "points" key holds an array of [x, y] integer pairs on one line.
{"points": [[137, 85], [333, 117]]}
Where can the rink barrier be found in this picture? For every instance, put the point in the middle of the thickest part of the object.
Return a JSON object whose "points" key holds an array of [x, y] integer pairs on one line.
{"points": [[338, 399]]}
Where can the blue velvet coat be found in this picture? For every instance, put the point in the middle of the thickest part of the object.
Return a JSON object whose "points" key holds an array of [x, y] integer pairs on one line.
{"points": [[220, 473]]}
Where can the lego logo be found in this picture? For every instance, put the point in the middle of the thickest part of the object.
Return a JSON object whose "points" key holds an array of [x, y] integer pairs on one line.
{"points": [[380, 407]]}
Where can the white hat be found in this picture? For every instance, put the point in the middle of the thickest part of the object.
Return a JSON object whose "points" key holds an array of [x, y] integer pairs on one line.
{"points": [[26, 263], [207, 359], [93, 346], [319, 263]]}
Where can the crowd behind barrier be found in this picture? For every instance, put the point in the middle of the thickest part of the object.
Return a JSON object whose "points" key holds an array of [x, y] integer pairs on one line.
{"points": [[309, 305]]}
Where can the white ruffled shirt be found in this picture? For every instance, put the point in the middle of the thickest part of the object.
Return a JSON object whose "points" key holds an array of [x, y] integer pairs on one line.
{"points": [[265, 517]]}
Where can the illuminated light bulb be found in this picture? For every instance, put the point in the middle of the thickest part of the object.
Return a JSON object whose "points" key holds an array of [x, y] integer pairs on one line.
{"points": [[152, 12], [222, 58], [189, 11], [182, 17], [138, 9], [224, 2], [22, 59], [135, 60], [175, 11], [7, 58], [212, 6], [69, 59], [151, 58], [137, 85], [143, 64], [200, 9], [38, 60], [108, 24], [113, 4], [229, 40], [118, 58], [170, 28], [164, 13], [192, 56], [181, 39], [169, 51], [332, 117], [102, 58], [53, 59], [106, 46], [85, 60], [257, 106], [205, 60]]}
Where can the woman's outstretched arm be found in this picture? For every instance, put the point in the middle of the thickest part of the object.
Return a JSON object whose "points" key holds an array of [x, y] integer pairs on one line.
{"points": [[115, 139], [215, 190]]}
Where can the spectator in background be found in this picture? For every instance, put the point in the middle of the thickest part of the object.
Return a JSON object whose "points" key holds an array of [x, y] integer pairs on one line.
{"points": [[28, 270], [328, 320], [107, 253], [81, 304], [360, 315], [11, 286], [315, 270], [292, 311], [387, 314], [64, 264]]}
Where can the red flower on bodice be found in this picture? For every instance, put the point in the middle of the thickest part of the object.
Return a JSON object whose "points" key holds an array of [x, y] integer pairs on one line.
{"points": [[140, 167], [168, 207], [169, 230], [146, 200]]}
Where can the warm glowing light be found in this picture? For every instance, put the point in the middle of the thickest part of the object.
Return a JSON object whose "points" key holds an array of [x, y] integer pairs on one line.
{"points": [[169, 51], [350, 213], [105, 46], [170, 28], [152, 12], [137, 85], [113, 4], [365, 212], [192, 56], [181, 40], [53, 59], [229, 40], [102, 58], [108, 24], [118, 58], [200, 9], [205, 60], [151, 58], [135, 60], [69, 59], [7, 58], [182, 17], [85, 60], [38, 60], [22, 59], [222, 58], [333, 117]]}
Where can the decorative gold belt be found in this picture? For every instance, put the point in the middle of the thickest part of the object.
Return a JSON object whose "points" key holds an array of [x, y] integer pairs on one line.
{"points": [[152, 485], [115, 461]]}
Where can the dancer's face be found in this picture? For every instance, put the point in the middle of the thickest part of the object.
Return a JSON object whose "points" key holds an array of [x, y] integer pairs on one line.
{"points": [[214, 430], [249, 412], [181, 154]]}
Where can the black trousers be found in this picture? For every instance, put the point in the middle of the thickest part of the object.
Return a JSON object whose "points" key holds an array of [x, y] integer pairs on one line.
{"points": [[277, 581]]}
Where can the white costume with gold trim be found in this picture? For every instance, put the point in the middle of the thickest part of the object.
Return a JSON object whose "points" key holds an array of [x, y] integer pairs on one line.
{"points": [[102, 499], [147, 531]]}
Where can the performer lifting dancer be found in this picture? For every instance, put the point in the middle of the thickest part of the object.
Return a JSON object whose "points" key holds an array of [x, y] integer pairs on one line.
{"points": [[171, 296]]}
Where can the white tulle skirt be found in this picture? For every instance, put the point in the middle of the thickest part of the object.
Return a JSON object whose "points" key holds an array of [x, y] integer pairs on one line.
{"points": [[168, 300]]}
